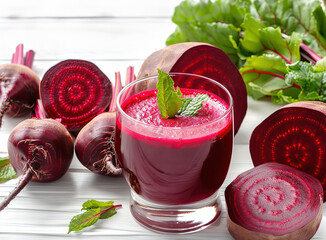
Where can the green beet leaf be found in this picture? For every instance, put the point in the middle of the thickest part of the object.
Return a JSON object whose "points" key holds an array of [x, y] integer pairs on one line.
{"points": [[84, 219], [263, 75], [94, 204], [291, 16], [224, 36], [214, 22], [258, 39], [204, 11], [91, 204], [320, 32], [168, 99], [94, 210], [7, 172]]}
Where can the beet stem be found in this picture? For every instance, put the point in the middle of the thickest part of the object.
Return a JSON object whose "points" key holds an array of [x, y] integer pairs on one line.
{"points": [[117, 88], [29, 58], [130, 75], [20, 186], [20, 54]]}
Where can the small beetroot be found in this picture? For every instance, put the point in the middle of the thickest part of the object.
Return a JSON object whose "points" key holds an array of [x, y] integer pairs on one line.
{"points": [[75, 91], [39, 149], [19, 85], [294, 135], [94, 145], [274, 201]]}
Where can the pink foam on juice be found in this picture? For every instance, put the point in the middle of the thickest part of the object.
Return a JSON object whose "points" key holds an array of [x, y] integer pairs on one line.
{"points": [[174, 161]]}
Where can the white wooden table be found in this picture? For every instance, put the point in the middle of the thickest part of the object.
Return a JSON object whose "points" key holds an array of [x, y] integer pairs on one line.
{"points": [[114, 35]]}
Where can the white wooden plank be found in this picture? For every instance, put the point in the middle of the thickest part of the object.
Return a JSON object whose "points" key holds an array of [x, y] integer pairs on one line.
{"points": [[87, 8], [89, 39]]}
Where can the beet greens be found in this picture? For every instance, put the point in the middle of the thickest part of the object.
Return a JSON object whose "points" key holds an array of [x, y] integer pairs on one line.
{"points": [[264, 39]]}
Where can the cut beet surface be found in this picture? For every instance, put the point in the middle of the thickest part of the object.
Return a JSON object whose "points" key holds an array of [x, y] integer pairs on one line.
{"points": [[75, 91], [274, 201], [294, 135], [201, 59]]}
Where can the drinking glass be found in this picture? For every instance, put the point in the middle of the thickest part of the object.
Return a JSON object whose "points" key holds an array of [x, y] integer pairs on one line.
{"points": [[174, 173]]}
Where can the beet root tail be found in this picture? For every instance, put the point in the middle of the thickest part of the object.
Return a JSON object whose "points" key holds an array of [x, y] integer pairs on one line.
{"points": [[4, 107], [20, 186]]}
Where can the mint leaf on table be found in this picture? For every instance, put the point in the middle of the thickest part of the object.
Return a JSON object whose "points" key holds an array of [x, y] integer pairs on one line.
{"points": [[168, 99], [7, 172], [191, 106], [94, 210]]}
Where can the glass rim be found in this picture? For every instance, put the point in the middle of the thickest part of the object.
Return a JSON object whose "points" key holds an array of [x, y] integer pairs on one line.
{"points": [[125, 88]]}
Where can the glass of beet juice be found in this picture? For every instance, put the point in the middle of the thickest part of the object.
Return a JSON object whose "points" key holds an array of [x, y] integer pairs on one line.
{"points": [[174, 166]]}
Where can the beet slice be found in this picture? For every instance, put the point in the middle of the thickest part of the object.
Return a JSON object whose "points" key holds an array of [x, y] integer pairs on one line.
{"points": [[201, 59], [274, 201], [294, 135], [75, 91]]}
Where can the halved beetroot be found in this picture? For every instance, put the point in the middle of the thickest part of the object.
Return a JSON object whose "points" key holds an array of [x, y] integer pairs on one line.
{"points": [[274, 201], [294, 135], [201, 59], [75, 91]]}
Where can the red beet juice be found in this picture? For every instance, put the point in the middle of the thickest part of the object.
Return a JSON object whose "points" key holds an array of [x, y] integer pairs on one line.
{"points": [[174, 161]]}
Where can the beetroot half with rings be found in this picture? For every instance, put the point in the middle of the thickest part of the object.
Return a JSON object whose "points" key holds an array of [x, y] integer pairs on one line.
{"points": [[205, 60], [75, 91], [274, 201], [294, 135]]}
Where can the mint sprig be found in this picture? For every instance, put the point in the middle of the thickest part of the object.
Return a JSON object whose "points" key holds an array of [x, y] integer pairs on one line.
{"points": [[94, 210], [191, 106], [7, 172], [169, 99]]}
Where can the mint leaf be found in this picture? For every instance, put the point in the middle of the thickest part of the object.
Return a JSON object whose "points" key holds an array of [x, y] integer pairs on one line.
{"points": [[168, 99], [95, 210], [7, 172], [192, 105]]}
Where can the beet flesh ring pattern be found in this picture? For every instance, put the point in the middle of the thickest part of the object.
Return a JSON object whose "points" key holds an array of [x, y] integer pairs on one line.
{"points": [[294, 135], [205, 60], [75, 91], [274, 199]]}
